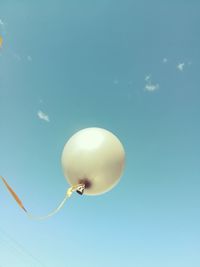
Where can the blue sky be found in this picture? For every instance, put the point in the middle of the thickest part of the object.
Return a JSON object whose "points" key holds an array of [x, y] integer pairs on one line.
{"points": [[131, 67]]}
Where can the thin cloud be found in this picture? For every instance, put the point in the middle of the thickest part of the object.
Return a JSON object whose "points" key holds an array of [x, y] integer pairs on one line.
{"points": [[29, 58], [17, 56], [43, 116], [165, 60], [180, 66], [151, 87], [116, 82], [2, 26], [147, 78]]}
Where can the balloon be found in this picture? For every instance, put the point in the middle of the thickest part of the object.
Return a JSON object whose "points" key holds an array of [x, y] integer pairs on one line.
{"points": [[93, 157], [92, 161]]}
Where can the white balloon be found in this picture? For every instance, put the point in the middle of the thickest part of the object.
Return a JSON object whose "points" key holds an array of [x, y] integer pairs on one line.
{"points": [[94, 157]]}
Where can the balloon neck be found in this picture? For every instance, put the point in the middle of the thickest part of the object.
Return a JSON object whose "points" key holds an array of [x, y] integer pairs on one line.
{"points": [[86, 182], [81, 188]]}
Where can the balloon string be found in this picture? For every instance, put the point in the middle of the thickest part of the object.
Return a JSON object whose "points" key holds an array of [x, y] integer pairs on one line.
{"points": [[79, 188], [67, 196]]}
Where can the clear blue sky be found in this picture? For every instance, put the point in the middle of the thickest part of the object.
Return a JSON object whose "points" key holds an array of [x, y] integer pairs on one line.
{"points": [[131, 67]]}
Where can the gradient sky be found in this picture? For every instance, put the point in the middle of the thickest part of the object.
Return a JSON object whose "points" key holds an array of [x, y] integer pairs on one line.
{"points": [[131, 67]]}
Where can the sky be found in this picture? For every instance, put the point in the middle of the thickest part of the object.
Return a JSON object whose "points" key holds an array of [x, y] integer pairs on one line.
{"points": [[131, 67]]}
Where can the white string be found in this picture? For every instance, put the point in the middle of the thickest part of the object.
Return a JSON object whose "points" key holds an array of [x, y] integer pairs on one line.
{"points": [[67, 196], [79, 188]]}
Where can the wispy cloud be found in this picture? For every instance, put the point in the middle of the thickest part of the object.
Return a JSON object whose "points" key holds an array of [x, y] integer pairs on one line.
{"points": [[43, 116], [181, 66], [147, 77], [1, 22], [151, 87]]}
